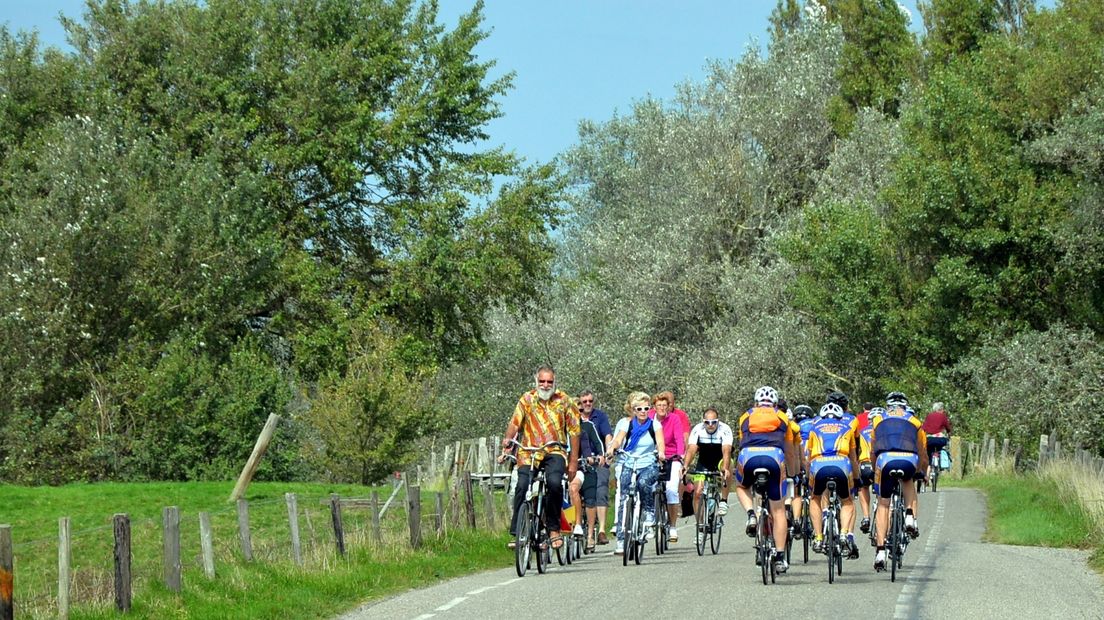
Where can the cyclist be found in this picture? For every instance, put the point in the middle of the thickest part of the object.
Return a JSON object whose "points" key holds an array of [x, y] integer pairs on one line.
{"points": [[864, 416], [602, 426], [937, 426], [832, 455], [542, 415], [898, 443], [583, 489], [676, 430], [804, 417], [642, 439], [766, 441], [840, 399], [866, 469], [711, 444]]}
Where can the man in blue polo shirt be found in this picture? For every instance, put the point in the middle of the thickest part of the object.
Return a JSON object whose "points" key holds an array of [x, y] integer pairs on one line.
{"points": [[592, 488]]}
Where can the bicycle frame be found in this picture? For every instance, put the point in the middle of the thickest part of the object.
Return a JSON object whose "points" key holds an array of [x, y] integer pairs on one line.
{"points": [[764, 538]]}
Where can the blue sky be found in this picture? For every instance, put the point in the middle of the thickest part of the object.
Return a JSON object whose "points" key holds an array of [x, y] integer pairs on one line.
{"points": [[574, 59]]}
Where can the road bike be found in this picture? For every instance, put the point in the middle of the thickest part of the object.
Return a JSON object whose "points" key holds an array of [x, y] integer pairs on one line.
{"points": [[764, 535], [662, 526], [532, 535], [632, 512], [830, 526], [803, 526], [897, 538], [708, 524]]}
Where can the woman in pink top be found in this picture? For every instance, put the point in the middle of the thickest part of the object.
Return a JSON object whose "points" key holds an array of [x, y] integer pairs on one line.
{"points": [[676, 432]]}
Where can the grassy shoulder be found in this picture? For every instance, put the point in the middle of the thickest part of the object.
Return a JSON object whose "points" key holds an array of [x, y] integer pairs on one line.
{"points": [[270, 586], [1027, 510]]}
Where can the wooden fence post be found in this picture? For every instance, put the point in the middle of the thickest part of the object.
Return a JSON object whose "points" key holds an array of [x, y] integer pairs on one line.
{"points": [[243, 530], [293, 525], [1057, 450], [64, 560], [469, 500], [956, 457], [377, 533], [488, 502], [1043, 443], [338, 526], [121, 522], [170, 540], [414, 514], [7, 576], [439, 510], [207, 545], [1004, 449], [255, 458]]}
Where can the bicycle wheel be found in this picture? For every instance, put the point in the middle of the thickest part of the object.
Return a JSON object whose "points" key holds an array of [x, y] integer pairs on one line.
{"points": [[639, 533], [830, 542], [806, 530], [935, 478], [716, 526], [701, 523], [892, 544], [761, 540], [629, 545], [560, 552], [661, 519], [522, 547]]}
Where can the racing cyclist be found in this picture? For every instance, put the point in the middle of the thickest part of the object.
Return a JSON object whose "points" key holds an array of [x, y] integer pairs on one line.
{"points": [[711, 443], [898, 443]]}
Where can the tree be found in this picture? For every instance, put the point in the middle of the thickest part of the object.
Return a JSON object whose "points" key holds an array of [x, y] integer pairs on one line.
{"points": [[879, 58], [956, 27], [203, 179]]}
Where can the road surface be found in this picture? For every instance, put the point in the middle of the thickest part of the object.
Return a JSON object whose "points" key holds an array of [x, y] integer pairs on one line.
{"points": [[948, 573]]}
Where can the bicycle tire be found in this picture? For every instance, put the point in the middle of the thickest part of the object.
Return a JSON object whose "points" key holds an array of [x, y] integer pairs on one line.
{"points": [[893, 546], [935, 479], [700, 522], [522, 546], [716, 526], [661, 521], [628, 544], [762, 538], [830, 543], [544, 556]]}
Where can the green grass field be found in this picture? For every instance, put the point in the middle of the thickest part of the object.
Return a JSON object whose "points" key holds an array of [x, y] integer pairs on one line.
{"points": [[1025, 510], [270, 586]]}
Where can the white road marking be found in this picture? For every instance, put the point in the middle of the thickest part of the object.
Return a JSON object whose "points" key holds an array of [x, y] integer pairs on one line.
{"points": [[508, 582], [905, 604], [481, 590], [453, 603], [425, 616]]}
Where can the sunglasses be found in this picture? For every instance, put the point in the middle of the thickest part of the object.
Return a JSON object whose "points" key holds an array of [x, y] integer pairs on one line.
{"points": [[710, 422], [641, 409], [586, 402]]}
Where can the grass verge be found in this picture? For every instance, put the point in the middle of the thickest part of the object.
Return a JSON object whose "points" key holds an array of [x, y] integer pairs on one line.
{"points": [[270, 586], [1050, 509]]}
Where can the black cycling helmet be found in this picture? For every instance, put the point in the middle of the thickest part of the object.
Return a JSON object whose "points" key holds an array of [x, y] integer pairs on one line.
{"points": [[838, 398], [803, 412], [896, 399]]}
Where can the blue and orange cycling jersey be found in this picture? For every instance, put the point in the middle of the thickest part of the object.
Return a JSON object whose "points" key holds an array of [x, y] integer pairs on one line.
{"points": [[830, 437], [765, 427], [898, 430], [865, 443], [806, 426]]}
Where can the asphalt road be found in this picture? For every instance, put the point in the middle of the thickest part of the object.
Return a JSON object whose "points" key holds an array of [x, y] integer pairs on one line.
{"points": [[948, 573]]}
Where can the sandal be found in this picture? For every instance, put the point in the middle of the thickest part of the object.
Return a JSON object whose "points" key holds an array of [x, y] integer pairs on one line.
{"points": [[590, 546], [555, 540]]}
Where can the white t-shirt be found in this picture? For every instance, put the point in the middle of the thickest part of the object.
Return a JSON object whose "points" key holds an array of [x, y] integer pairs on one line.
{"points": [[643, 454], [723, 436]]}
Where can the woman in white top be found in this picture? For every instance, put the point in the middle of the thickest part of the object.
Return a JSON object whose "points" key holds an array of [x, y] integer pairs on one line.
{"points": [[640, 452]]}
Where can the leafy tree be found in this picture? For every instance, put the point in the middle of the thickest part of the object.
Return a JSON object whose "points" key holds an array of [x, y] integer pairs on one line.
{"points": [[879, 58], [956, 27]]}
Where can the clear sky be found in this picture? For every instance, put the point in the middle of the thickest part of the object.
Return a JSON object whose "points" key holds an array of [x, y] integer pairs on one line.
{"points": [[574, 59]]}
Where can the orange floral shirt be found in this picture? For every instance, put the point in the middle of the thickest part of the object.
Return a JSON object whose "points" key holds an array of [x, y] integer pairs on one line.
{"points": [[539, 423]]}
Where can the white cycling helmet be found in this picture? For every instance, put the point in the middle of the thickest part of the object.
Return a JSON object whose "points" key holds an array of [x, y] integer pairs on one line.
{"points": [[766, 394], [831, 410], [877, 412]]}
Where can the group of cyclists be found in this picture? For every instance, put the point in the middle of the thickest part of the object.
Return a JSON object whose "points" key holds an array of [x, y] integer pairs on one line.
{"points": [[655, 446]]}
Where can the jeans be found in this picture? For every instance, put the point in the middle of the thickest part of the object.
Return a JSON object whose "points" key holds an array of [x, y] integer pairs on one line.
{"points": [[554, 466], [646, 481]]}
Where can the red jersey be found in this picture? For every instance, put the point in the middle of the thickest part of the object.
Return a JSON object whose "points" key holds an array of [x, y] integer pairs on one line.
{"points": [[864, 419], [937, 422]]}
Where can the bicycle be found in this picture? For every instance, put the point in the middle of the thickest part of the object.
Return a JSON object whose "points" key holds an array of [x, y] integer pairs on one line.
{"points": [[830, 526], [803, 529], [662, 526], [578, 543], [708, 523], [532, 535], [897, 539], [764, 535], [631, 522]]}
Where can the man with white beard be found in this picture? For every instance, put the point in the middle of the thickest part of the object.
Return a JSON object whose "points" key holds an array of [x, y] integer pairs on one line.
{"points": [[544, 414]]}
